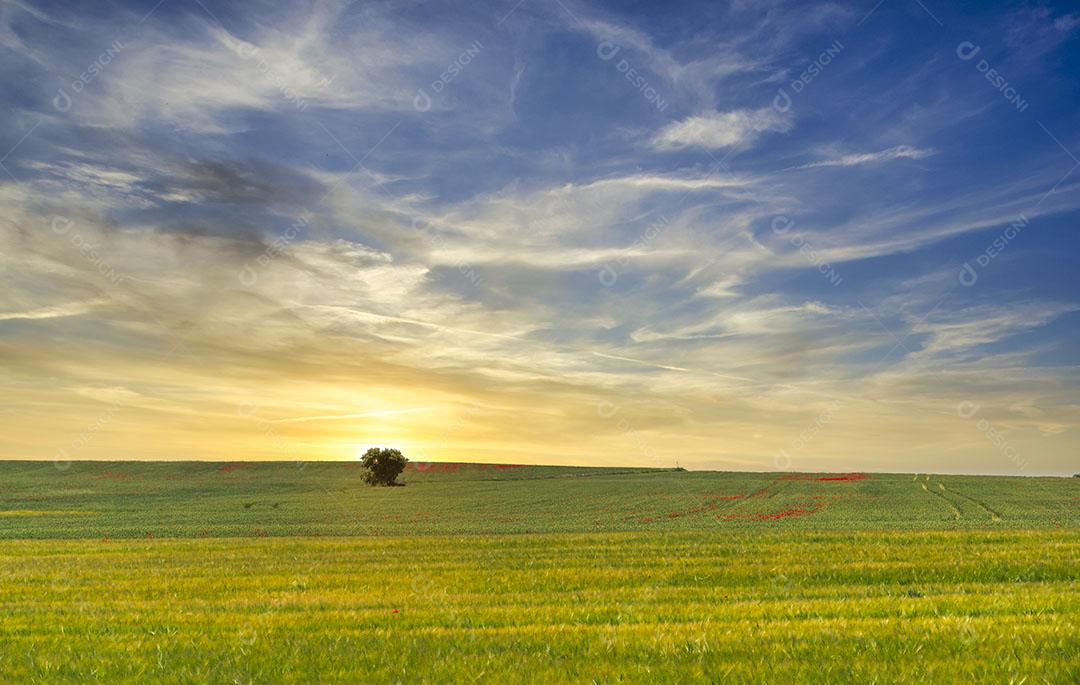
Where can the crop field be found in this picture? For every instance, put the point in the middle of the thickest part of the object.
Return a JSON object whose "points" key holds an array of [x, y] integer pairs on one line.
{"points": [[259, 572], [254, 499]]}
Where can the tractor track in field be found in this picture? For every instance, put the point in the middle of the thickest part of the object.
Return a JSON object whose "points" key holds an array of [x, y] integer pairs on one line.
{"points": [[994, 515], [775, 488], [955, 510]]}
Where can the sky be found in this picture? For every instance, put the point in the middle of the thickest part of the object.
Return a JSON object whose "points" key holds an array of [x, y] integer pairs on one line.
{"points": [[725, 235]]}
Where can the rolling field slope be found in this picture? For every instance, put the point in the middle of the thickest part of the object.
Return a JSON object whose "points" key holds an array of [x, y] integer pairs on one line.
{"points": [[200, 499], [267, 573]]}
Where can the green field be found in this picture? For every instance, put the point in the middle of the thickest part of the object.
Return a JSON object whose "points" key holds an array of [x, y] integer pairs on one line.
{"points": [[251, 499], [259, 572]]}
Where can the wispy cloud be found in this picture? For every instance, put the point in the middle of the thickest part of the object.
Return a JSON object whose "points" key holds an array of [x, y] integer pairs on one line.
{"points": [[717, 130], [58, 311], [882, 156], [379, 413]]}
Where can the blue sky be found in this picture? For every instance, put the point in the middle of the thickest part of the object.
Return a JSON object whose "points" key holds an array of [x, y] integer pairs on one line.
{"points": [[737, 235]]}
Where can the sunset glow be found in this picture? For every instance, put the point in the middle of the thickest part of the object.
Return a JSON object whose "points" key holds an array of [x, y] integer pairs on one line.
{"points": [[339, 225]]}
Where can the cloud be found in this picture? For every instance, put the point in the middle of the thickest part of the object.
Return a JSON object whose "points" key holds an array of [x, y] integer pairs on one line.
{"points": [[968, 330], [359, 415], [718, 130], [694, 77], [1034, 31], [858, 159], [64, 310], [192, 74]]}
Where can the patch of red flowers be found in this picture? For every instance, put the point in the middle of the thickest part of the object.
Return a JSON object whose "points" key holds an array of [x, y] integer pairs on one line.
{"points": [[803, 510], [840, 476], [433, 466], [847, 476], [447, 466], [236, 466], [708, 504]]}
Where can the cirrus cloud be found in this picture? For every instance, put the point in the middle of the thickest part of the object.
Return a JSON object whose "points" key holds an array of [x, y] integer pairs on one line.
{"points": [[716, 130], [857, 159]]}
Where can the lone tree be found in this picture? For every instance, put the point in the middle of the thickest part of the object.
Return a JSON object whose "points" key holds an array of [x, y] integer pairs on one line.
{"points": [[383, 465]]}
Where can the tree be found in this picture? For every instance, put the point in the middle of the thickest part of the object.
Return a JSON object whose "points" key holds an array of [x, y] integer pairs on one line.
{"points": [[383, 465]]}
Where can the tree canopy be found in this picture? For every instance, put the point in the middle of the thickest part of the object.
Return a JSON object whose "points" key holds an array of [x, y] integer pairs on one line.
{"points": [[383, 465]]}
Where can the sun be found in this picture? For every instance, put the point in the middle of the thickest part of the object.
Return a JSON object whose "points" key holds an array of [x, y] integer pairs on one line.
{"points": [[361, 449]]}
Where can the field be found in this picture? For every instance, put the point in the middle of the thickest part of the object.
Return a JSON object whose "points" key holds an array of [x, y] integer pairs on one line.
{"points": [[258, 572], [253, 499]]}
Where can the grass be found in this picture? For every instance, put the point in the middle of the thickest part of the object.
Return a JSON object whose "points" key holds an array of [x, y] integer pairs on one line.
{"points": [[628, 576], [200, 499], [678, 607]]}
